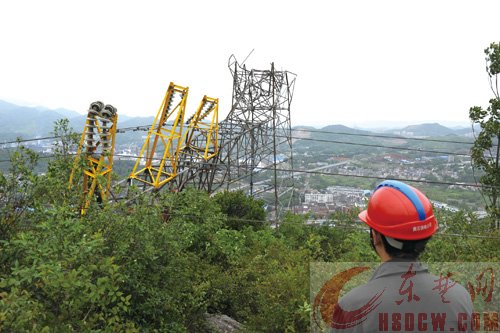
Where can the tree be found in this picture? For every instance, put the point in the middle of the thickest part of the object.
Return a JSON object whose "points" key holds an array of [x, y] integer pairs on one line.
{"points": [[17, 191], [241, 210], [485, 152]]}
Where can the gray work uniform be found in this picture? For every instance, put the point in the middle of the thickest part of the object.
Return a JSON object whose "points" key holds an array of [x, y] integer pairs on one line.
{"points": [[402, 296]]}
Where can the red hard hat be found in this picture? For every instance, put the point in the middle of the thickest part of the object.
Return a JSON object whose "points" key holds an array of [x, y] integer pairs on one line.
{"points": [[400, 211]]}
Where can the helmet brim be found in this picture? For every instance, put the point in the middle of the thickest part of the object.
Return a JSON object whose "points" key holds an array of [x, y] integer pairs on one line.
{"points": [[363, 216], [414, 230]]}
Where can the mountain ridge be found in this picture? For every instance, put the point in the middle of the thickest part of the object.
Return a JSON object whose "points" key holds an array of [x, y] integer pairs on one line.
{"points": [[39, 121]]}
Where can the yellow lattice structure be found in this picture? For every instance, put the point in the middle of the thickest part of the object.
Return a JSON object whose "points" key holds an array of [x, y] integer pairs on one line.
{"points": [[158, 160], [96, 149], [201, 138]]}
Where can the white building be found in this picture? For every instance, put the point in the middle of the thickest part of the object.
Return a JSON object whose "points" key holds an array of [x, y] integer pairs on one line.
{"points": [[318, 197]]}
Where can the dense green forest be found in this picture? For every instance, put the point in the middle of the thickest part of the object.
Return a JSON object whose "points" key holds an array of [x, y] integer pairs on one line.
{"points": [[161, 262]]}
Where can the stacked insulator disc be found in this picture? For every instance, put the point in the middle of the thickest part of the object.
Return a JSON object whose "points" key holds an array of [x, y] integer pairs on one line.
{"points": [[100, 116], [91, 128], [106, 123]]}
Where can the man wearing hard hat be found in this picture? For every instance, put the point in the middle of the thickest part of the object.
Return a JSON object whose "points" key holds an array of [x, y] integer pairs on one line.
{"points": [[402, 296]]}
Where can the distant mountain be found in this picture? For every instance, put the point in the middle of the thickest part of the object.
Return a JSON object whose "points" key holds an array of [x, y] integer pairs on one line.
{"points": [[29, 122], [77, 123], [135, 121], [342, 141], [67, 113], [330, 140], [302, 131], [22, 121], [424, 130], [303, 127], [467, 131], [343, 129], [420, 130], [6, 106]]}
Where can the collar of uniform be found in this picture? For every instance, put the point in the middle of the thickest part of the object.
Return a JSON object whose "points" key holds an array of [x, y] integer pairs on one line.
{"points": [[398, 267]]}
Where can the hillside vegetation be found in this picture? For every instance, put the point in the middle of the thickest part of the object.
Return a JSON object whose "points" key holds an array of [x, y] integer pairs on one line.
{"points": [[161, 262]]}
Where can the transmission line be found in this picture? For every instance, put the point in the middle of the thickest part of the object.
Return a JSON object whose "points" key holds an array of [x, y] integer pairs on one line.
{"points": [[222, 125], [339, 226], [301, 171], [387, 147], [297, 138], [382, 136]]}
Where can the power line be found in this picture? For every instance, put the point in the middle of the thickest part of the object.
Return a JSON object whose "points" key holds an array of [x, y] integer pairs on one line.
{"points": [[223, 124], [147, 127], [301, 171], [345, 175], [466, 235], [297, 138], [296, 171], [30, 140], [118, 131], [387, 147], [382, 136], [331, 224]]}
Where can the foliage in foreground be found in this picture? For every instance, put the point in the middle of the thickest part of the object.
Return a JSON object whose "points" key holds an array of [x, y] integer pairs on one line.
{"points": [[485, 152], [131, 268]]}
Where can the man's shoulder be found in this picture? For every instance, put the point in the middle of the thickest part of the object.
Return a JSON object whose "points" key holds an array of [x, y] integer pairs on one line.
{"points": [[450, 289], [360, 295], [430, 288]]}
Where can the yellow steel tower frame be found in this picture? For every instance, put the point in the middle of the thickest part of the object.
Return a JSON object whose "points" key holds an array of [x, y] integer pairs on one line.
{"points": [[202, 137], [98, 142], [163, 140]]}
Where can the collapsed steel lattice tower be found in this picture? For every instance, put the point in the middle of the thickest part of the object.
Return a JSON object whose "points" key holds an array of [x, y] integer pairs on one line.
{"points": [[96, 150], [160, 153], [199, 146], [255, 137]]}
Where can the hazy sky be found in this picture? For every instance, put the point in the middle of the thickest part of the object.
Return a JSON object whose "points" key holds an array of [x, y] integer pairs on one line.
{"points": [[357, 61]]}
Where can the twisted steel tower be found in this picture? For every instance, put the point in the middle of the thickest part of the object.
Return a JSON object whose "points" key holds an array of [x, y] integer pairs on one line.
{"points": [[255, 137], [96, 149], [251, 149], [162, 145], [200, 145]]}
